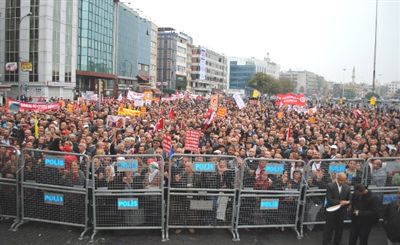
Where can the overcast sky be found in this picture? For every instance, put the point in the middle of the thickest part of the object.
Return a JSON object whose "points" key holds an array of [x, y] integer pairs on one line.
{"points": [[322, 36]]}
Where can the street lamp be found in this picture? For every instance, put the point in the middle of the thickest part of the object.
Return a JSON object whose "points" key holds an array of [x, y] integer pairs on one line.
{"points": [[19, 57]]}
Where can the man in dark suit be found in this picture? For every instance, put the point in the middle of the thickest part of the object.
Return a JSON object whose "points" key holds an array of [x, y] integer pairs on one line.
{"points": [[337, 193], [364, 214]]}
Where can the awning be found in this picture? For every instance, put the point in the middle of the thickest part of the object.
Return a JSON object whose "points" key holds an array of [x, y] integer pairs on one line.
{"points": [[143, 77]]}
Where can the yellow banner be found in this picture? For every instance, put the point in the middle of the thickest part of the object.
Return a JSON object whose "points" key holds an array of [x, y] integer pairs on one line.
{"points": [[222, 111], [148, 96], [256, 93], [128, 112]]}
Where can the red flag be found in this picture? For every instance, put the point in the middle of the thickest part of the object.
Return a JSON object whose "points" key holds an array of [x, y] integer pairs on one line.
{"points": [[289, 132], [166, 143], [160, 124], [209, 117], [171, 114]]}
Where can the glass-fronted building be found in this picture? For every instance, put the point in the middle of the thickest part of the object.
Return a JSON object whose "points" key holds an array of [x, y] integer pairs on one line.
{"points": [[95, 45], [144, 39], [127, 47], [240, 74]]}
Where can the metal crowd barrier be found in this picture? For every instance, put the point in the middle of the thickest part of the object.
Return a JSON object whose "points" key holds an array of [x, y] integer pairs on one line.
{"points": [[270, 193], [202, 192], [54, 188], [128, 192], [319, 173], [9, 178], [382, 176]]}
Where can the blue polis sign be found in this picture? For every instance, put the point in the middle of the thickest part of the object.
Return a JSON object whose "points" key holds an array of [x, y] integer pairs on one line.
{"points": [[54, 162], [127, 203], [204, 167], [274, 168], [389, 198], [269, 204], [53, 198], [337, 168], [127, 165]]}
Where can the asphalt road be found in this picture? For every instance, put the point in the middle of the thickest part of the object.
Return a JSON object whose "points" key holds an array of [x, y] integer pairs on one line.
{"points": [[42, 234]]}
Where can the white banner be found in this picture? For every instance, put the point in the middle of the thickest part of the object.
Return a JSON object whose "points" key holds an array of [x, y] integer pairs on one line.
{"points": [[134, 96], [139, 103], [239, 101]]}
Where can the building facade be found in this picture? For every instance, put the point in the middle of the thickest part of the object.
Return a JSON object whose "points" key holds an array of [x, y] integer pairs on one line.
{"points": [[209, 71], [174, 58], [126, 59], [96, 46], [306, 82], [38, 47], [144, 40], [242, 69], [393, 87], [153, 54]]}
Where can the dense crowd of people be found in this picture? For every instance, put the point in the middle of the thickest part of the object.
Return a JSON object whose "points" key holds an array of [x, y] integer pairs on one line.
{"points": [[333, 132], [260, 130]]}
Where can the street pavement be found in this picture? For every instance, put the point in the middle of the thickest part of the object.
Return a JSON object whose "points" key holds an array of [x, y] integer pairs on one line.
{"points": [[34, 233]]}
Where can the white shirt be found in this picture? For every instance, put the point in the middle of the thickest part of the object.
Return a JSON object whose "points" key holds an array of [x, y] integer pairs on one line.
{"points": [[339, 187]]}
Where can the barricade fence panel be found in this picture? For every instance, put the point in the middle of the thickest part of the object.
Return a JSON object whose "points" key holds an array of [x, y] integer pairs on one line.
{"points": [[202, 191], [54, 187], [319, 173], [128, 192], [383, 179], [9, 165], [270, 193]]}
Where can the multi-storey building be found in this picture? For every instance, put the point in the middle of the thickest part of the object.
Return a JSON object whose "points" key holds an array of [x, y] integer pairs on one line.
{"points": [[209, 71], [242, 69], [38, 47], [306, 82], [172, 60], [96, 46], [153, 54]]}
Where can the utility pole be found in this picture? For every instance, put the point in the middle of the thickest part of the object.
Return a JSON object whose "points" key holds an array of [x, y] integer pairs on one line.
{"points": [[376, 31]]}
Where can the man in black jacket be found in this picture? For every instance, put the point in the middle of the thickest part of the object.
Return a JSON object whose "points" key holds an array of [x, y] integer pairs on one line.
{"points": [[392, 221], [337, 193], [364, 214]]}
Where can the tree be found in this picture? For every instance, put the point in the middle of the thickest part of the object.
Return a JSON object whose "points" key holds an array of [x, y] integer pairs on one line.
{"points": [[181, 84], [262, 82], [285, 85], [370, 94], [269, 85]]}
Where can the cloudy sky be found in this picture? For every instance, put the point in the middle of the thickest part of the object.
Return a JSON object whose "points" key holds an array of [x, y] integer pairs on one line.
{"points": [[323, 36]]}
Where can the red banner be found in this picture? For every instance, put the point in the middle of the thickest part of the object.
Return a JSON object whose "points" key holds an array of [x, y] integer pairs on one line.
{"points": [[192, 140], [290, 99], [14, 106], [166, 143]]}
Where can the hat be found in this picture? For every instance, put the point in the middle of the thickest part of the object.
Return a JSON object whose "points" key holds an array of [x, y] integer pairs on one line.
{"points": [[85, 126], [334, 147], [217, 152]]}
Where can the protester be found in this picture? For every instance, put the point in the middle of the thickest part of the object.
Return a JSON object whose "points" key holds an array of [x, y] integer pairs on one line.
{"points": [[330, 131], [392, 221], [364, 214], [337, 193]]}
